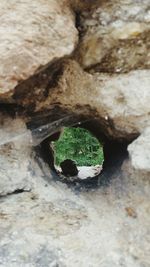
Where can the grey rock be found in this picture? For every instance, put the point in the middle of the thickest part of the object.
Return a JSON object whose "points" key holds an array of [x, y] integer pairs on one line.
{"points": [[102, 83]]}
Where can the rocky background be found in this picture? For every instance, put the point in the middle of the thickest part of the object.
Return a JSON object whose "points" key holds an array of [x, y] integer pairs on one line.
{"points": [[81, 63]]}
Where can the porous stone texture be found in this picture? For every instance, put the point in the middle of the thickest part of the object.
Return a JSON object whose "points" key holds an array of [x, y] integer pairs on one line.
{"points": [[14, 166], [63, 63], [118, 101], [115, 36], [139, 151], [55, 226], [32, 35]]}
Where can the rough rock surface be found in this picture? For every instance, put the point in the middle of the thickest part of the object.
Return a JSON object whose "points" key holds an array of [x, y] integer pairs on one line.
{"points": [[55, 226], [117, 99], [32, 35], [14, 166], [67, 62], [139, 151], [115, 37]]}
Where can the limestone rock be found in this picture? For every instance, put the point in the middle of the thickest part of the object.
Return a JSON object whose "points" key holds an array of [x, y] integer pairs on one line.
{"points": [[47, 82], [32, 35], [125, 99], [48, 226], [15, 153], [121, 102], [139, 151], [115, 36]]}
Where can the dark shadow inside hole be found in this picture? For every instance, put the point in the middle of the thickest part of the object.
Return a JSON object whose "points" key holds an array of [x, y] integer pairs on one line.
{"points": [[114, 152], [11, 109], [78, 154]]}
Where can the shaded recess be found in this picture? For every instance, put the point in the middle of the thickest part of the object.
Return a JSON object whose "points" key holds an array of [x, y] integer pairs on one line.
{"points": [[114, 149], [115, 152], [11, 109]]}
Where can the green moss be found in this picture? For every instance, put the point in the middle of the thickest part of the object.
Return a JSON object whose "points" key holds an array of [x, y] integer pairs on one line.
{"points": [[79, 145]]}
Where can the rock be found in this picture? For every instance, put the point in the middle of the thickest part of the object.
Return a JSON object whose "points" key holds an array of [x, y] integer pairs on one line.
{"points": [[34, 35], [69, 167], [121, 102], [139, 152], [15, 150], [86, 5], [65, 63], [115, 37], [88, 171], [52, 227]]}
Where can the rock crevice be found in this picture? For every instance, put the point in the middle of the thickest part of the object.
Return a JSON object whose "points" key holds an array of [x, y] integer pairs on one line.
{"points": [[66, 63]]}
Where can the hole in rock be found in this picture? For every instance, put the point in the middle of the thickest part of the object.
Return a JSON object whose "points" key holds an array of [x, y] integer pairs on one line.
{"points": [[77, 154], [82, 155]]}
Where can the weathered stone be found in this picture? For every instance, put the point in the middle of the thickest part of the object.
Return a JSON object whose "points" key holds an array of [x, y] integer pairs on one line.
{"points": [[54, 225], [139, 151], [116, 37], [49, 224], [15, 151], [32, 36], [117, 100]]}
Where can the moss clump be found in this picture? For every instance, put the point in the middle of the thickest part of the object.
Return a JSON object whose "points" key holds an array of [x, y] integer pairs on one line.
{"points": [[79, 145]]}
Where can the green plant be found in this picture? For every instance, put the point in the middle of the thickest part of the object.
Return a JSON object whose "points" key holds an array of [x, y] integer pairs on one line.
{"points": [[79, 145]]}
